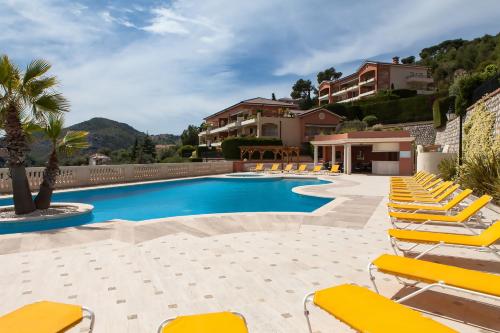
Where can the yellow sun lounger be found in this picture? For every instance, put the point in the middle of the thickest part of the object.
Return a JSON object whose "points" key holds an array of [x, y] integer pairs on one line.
{"points": [[416, 176], [483, 241], [45, 317], [217, 322], [422, 181], [416, 188], [258, 167], [335, 168], [288, 167], [436, 275], [274, 168], [317, 168], [302, 168], [461, 218], [453, 203], [365, 311], [443, 192]]}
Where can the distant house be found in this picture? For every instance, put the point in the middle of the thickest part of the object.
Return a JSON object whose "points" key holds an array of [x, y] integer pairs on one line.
{"points": [[374, 76], [99, 159], [262, 117]]}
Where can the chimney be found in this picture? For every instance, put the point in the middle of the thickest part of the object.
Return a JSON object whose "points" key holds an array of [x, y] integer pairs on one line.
{"points": [[395, 60]]}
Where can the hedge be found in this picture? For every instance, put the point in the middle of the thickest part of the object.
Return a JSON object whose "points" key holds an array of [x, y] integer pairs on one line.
{"points": [[230, 146], [186, 150], [403, 110], [404, 93], [389, 111], [440, 108]]}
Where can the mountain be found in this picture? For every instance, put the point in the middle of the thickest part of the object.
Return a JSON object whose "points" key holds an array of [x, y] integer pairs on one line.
{"points": [[103, 133], [107, 133]]}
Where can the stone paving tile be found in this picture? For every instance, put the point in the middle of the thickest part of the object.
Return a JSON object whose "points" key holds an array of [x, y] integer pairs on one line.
{"points": [[263, 273]]}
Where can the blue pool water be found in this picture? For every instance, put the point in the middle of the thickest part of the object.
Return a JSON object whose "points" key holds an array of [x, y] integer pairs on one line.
{"points": [[178, 198]]}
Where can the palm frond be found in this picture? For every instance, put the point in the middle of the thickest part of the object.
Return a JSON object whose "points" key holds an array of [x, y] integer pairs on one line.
{"points": [[49, 103], [52, 126], [73, 141], [9, 74], [37, 87], [35, 69], [30, 127]]}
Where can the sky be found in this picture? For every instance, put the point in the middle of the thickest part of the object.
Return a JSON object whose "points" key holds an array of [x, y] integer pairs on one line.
{"points": [[162, 65]]}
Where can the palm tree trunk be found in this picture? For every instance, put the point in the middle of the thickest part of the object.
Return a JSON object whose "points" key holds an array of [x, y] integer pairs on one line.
{"points": [[44, 196], [17, 147]]}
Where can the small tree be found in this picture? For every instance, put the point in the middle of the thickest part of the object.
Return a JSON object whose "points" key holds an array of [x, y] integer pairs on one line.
{"points": [[328, 74], [31, 92], [190, 135], [72, 141]]}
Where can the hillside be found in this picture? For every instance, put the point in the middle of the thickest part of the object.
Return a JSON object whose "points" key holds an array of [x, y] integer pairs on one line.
{"points": [[103, 133], [449, 56]]}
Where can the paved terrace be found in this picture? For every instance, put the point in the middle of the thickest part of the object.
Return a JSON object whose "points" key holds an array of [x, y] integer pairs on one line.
{"points": [[134, 275]]}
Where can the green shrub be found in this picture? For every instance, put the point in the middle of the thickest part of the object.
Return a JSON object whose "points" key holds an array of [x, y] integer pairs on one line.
{"points": [[352, 126], [482, 175], [377, 127], [186, 151], [370, 120], [448, 168], [440, 108], [231, 151], [404, 93]]}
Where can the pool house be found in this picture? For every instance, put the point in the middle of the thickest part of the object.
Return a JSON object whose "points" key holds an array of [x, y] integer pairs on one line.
{"points": [[374, 152]]}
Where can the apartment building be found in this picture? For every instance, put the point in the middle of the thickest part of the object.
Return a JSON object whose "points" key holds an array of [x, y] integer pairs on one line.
{"points": [[262, 117], [374, 76]]}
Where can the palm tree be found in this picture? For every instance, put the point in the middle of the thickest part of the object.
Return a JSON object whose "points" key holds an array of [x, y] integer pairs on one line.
{"points": [[22, 94], [68, 144]]}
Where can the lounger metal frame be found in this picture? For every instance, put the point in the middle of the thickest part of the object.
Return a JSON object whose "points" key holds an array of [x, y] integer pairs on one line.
{"points": [[439, 284], [90, 315], [166, 321], [306, 311], [395, 243], [476, 218]]}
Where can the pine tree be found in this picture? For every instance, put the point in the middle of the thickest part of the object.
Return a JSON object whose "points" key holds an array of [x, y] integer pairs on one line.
{"points": [[134, 151]]}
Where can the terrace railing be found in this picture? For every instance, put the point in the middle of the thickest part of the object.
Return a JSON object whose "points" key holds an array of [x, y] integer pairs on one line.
{"points": [[83, 176]]}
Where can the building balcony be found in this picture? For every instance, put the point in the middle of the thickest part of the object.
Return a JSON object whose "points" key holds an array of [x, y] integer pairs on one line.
{"points": [[368, 81], [324, 97], [367, 93], [345, 90], [352, 99]]}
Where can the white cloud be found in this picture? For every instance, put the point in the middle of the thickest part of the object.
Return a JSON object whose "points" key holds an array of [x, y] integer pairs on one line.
{"points": [[181, 62]]}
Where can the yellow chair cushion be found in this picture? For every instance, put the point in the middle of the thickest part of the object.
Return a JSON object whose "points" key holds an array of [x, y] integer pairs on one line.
{"points": [[366, 311], [429, 272], [486, 238], [219, 322], [41, 317], [435, 237]]}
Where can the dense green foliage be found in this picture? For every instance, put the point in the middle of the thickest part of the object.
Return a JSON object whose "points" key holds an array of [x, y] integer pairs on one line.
{"points": [[186, 150], [482, 174], [303, 89], [440, 108], [464, 86], [448, 168], [230, 146], [328, 74], [451, 55], [190, 135], [370, 120], [388, 110], [352, 126], [404, 93], [408, 60]]}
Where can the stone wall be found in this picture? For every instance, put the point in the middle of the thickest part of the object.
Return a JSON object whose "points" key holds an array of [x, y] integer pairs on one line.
{"points": [[449, 134], [80, 176], [423, 131]]}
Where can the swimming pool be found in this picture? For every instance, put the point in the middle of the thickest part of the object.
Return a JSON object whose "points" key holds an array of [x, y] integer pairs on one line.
{"points": [[179, 198]]}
